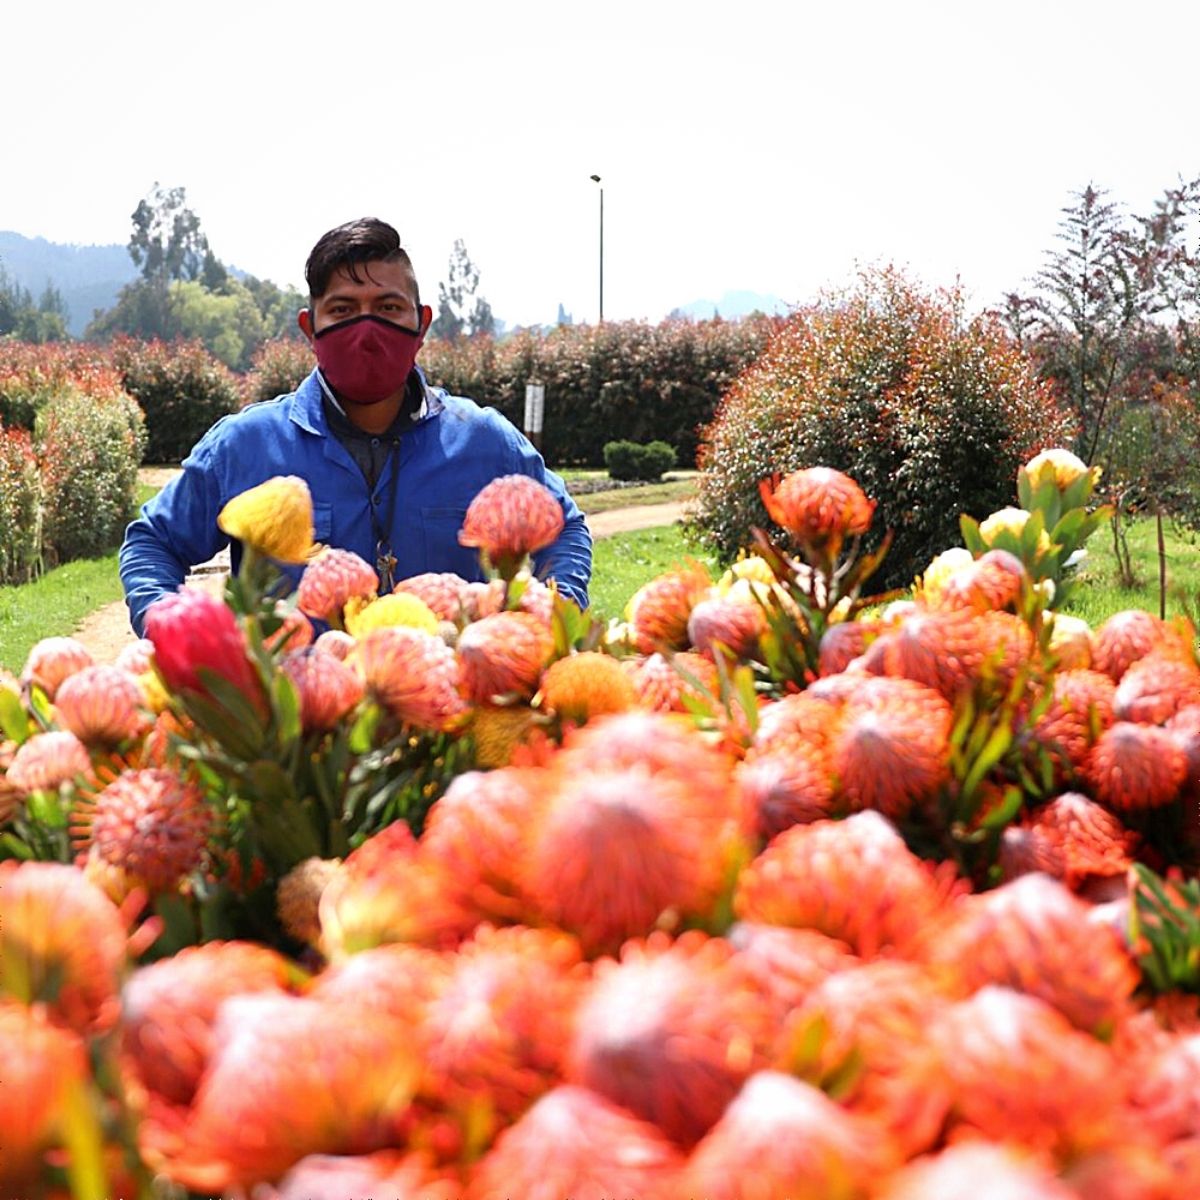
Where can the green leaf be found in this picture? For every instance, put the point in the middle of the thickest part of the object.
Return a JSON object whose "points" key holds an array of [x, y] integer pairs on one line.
{"points": [[971, 536], [287, 709], [14, 721], [1004, 813], [13, 847], [362, 733]]}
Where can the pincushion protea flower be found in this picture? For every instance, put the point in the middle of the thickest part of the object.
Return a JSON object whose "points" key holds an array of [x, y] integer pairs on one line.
{"points": [[1080, 710], [398, 979], [1154, 689], [499, 731], [503, 655], [511, 517], [1184, 727], [992, 582], [386, 1173], [487, 599], [168, 1010], [1134, 767], [413, 674], [978, 1170], [1033, 934], [781, 788], [100, 704], [586, 685], [728, 624], [661, 682], [575, 1143], [854, 880], [1070, 641], [1092, 841], [443, 592], [336, 643], [1165, 1091], [942, 568], [659, 610], [62, 944], [54, 659], [331, 580], [295, 633], [671, 1032], [787, 964], [396, 608], [47, 760], [819, 507], [805, 719], [298, 896], [842, 643], [1132, 634], [137, 658], [275, 518], [326, 687]]}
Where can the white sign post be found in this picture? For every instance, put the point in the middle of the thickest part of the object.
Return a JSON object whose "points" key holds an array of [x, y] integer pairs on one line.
{"points": [[535, 408]]}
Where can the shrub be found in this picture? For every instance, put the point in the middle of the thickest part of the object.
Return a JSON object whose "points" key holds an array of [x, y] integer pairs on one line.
{"points": [[89, 448], [279, 366], [182, 390], [20, 507], [932, 415], [629, 460], [31, 374]]}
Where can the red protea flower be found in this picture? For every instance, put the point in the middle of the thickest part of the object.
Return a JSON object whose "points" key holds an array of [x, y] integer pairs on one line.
{"points": [[398, 979], [62, 943], [1135, 766], [892, 753], [298, 898], [805, 718], [1033, 934], [443, 592], [512, 517], [662, 682], [726, 623], [585, 685], [842, 643], [659, 610], [327, 688], [783, 788], [1184, 727], [137, 658], [11, 796], [978, 1170], [412, 674], [575, 1143], [671, 1032], [1080, 710], [1091, 840], [386, 1173], [1024, 850], [47, 760], [819, 507], [193, 631], [168, 1010], [294, 634], [1132, 634], [1166, 1089], [1020, 1073], [1155, 688], [783, 1137], [287, 1078], [337, 643], [151, 824], [100, 704], [503, 655], [330, 580], [54, 659], [991, 583], [854, 880]]}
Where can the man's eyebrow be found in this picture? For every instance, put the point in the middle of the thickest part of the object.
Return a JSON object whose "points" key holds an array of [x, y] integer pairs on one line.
{"points": [[336, 295]]}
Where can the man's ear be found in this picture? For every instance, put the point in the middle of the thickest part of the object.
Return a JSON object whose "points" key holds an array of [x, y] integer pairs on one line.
{"points": [[426, 319], [304, 320]]}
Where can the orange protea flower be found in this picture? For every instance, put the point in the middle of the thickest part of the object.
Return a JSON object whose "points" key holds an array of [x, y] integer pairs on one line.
{"points": [[805, 718], [275, 518], [151, 824], [48, 760], [783, 1137], [978, 1170], [100, 704], [819, 507], [1091, 840], [727, 623], [54, 659], [11, 796], [499, 730], [512, 517], [1132, 634], [290, 1077], [1135, 766], [1166, 1089], [662, 682], [991, 583], [298, 896], [781, 788], [336, 643], [1184, 727], [294, 634], [1020, 1073], [942, 568], [503, 655], [574, 1143], [586, 685], [659, 610], [327, 688], [137, 658], [413, 674], [853, 879], [168, 1010], [1024, 850], [443, 592], [892, 753], [396, 608], [1080, 710], [1155, 688], [487, 599], [387, 1173], [332, 579], [397, 979], [62, 943], [671, 1032], [842, 643], [1033, 934], [787, 964], [1070, 641]]}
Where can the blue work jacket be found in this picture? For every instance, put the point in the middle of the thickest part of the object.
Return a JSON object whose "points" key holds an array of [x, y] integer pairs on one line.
{"points": [[449, 453]]}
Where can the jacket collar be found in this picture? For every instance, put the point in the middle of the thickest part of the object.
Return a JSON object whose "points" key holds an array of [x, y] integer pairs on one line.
{"points": [[308, 411]]}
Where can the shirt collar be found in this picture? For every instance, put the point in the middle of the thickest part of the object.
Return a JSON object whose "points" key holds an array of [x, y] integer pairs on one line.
{"points": [[415, 384]]}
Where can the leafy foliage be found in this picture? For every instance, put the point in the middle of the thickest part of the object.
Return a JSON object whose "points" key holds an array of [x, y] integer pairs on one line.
{"points": [[279, 366], [462, 312], [20, 507], [629, 460]]}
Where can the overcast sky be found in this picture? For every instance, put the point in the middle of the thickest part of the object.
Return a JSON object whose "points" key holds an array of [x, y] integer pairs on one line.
{"points": [[756, 145]]}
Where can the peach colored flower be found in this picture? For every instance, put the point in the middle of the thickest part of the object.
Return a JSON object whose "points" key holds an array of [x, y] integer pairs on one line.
{"points": [[1091, 840], [662, 682], [47, 760], [942, 568], [1132, 634], [843, 642], [396, 979], [137, 658], [586, 685], [1155, 688], [503, 655], [782, 788], [327, 688], [659, 610], [735, 626], [412, 674], [788, 964], [991, 583], [442, 591], [387, 1173], [100, 704], [978, 1170], [52, 660], [1080, 710], [331, 579], [275, 518], [298, 897], [294, 634], [511, 517], [819, 507], [334, 642], [1134, 767]]}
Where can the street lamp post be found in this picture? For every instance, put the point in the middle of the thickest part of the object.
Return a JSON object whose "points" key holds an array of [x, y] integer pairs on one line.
{"points": [[596, 179]]}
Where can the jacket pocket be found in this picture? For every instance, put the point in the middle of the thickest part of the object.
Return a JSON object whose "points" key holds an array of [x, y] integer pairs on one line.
{"points": [[322, 523], [440, 527]]}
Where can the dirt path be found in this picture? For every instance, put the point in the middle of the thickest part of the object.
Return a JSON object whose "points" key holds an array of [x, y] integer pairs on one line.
{"points": [[106, 632]]}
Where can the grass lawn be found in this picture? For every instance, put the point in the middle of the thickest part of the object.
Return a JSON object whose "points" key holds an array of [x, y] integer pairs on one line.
{"points": [[621, 564], [666, 492]]}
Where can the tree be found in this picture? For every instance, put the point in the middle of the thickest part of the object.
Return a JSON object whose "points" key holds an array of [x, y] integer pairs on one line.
{"points": [[167, 243], [26, 321], [461, 311]]}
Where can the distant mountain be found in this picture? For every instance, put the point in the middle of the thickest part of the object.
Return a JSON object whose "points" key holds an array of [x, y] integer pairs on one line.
{"points": [[733, 304], [88, 277]]}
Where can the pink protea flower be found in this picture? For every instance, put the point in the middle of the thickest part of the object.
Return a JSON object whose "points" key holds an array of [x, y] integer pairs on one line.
{"points": [[137, 658], [781, 788], [1132, 634], [328, 689], [386, 1173], [786, 965], [413, 674], [193, 631], [1154, 689], [330, 580], [169, 1008], [398, 979], [842, 643], [100, 704], [502, 655], [671, 1032], [47, 760], [661, 682], [444, 592], [1134, 767], [783, 1137], [659, 610], [978, 1170], [992, 582], [337, 643], [512, 517], [487, 599], [54, 659], [1092, 841], [727, 623], [294, 634], [575, 1143], [819, 507], [151, 824]]}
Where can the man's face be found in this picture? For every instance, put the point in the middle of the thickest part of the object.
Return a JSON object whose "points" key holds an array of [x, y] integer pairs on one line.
{"points": [[387, 290]]}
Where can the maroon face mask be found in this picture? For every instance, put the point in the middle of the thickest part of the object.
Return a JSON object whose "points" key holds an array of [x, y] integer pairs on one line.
{"points": [[366, 359]]}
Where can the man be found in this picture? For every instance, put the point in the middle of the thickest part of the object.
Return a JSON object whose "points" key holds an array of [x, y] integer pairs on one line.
{"points": [[391, 462]]}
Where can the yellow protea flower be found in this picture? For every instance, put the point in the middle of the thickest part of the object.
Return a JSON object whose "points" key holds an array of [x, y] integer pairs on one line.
{"points": [[1009, 520], [1070, 641], [275, 518], [154, 695], [586, 685], [752, 567], [396, 608], [498, 732], [1067, 466], [940, 570]]}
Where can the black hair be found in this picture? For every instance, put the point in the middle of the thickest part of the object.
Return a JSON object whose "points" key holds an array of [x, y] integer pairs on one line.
{"points": [[351, 246]]}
